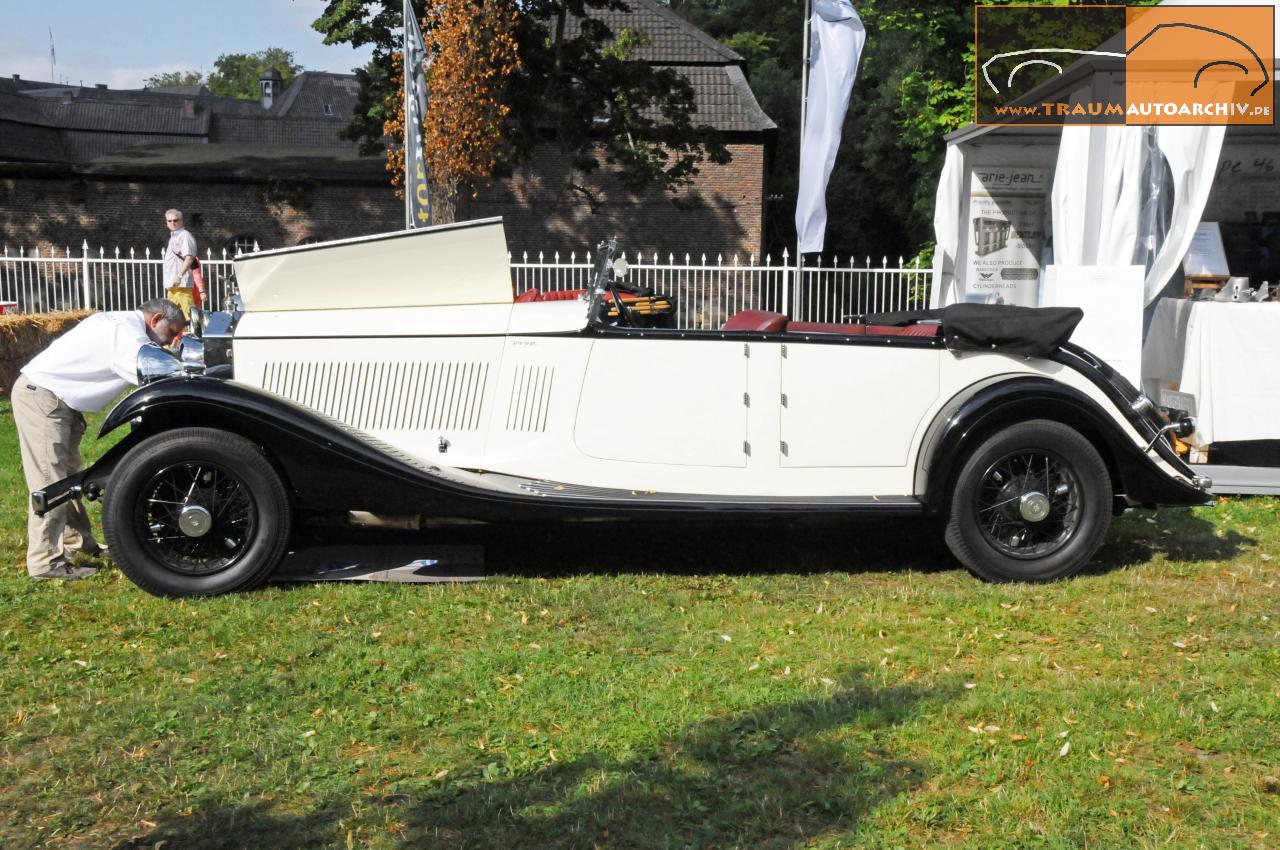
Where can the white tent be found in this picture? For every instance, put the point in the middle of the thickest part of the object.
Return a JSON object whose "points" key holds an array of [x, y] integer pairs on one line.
{"points": [[1121, 201]]}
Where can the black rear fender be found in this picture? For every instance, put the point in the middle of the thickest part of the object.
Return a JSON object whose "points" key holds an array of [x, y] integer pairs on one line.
{"points": [[997, 404]]}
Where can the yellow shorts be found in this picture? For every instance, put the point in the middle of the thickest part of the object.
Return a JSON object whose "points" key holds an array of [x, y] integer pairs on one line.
{"points": [[184, 297]]}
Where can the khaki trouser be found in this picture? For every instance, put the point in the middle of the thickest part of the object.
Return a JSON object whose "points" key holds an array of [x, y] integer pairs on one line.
{"points": [[184, 297], [49, 434]]}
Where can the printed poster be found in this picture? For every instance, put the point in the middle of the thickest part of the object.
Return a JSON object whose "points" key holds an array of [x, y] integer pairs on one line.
{"points": [[1006, 232]]}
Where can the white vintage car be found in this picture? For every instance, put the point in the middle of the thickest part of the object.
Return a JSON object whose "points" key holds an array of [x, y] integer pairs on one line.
{"points": [[397, 374]]}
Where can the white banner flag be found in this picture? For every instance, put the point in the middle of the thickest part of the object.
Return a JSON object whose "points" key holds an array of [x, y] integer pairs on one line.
{"points": [[417, 200], [836, 40]]}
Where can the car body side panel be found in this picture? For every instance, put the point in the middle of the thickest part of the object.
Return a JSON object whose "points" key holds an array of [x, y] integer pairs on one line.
{"points": [[679, 403], [846, 406]]}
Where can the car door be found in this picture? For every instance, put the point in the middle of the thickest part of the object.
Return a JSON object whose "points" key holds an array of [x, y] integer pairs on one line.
{"points": [[665, 400], [853, 404]]}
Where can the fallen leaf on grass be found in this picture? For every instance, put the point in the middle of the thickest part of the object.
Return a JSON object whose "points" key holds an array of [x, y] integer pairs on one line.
{"points": [[308, 733], [80, 663], [725, 638], [968, 686], [1066, 748], [1017, 737], [1104, 781]]}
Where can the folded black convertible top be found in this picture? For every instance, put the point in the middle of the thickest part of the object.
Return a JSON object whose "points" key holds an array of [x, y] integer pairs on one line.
{"points": [[1030, 331]]}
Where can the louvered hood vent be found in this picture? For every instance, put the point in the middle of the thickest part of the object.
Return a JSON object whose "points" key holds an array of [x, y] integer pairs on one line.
{"points": [[530, 398], [447, 396]]}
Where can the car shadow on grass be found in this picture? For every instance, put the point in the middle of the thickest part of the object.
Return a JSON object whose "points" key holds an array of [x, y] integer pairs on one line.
{"points": [[1174, 535], [775, 546], [776, 776], [712, 546]]}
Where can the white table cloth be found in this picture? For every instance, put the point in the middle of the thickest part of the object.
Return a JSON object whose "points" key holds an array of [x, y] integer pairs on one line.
{"points": [[1225, 354]]}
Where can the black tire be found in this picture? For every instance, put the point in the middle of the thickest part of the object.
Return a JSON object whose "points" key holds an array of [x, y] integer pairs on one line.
{"points": [[169, 487], [1033, 469]]}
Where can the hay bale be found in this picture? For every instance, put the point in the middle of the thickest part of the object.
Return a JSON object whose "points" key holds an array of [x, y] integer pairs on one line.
{"points": [[24, 335]]}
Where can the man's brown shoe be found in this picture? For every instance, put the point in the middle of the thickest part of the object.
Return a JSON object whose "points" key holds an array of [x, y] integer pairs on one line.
{"points": [[66, 572]]}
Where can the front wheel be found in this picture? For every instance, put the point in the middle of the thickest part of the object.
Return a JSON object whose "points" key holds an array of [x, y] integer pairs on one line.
{"points": [[1032, 503], [196, 512]]}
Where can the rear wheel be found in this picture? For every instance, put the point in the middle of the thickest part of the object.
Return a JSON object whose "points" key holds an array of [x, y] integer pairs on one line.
{"points": [[196, 512], [1032, 503]]}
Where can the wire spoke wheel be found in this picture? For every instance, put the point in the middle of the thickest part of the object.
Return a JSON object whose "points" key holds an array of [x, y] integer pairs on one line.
{"points": [[1032, 502], [196, 512], [1028, 504], [195, 518]]}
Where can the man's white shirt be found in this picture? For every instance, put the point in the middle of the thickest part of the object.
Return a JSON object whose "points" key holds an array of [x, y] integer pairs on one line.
{"points": [[93, 362], [181, 244]]}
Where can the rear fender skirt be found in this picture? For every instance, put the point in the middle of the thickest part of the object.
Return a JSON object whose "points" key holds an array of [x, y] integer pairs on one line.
{"points": [[963, 425]]}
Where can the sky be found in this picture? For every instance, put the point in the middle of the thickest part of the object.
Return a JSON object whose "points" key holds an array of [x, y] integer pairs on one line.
{"points": [[123, 42]]}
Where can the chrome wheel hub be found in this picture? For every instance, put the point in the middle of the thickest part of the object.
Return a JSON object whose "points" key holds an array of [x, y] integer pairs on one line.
{"points": [[194, 521], [1034, 507]]}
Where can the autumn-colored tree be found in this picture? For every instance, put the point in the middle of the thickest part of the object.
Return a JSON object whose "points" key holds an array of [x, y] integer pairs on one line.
{"points": [[474, 50]]}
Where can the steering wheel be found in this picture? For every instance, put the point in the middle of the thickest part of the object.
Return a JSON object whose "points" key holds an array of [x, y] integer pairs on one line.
{"points": [[619, 268]]}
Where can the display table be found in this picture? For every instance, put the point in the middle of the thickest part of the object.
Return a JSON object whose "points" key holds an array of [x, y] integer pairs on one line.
{"points": [[1225, 354]]}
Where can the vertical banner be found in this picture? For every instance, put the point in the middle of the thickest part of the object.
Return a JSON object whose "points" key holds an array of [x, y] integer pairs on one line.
{"points": [[1006, 232], [417, 199], [836, 41]]}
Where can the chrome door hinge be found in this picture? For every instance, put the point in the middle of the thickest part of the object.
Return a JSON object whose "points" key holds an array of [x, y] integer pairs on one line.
{"points": [[784, 351], [785, 450], [746, 399], [746, 350], [746, 448], [784, 399]]}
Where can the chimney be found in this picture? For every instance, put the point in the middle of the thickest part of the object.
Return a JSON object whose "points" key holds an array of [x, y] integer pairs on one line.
{"points": [[270, 85], [99, 85], [17, 77]]}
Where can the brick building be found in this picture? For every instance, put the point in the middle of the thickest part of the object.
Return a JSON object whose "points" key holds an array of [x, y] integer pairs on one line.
{"points": [[97, 164]]}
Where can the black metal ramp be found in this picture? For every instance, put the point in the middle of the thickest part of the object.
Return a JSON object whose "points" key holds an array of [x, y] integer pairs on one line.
{"points": [[425, 563]]}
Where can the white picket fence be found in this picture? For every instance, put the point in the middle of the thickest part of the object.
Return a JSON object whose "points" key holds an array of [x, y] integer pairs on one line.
{"points": [[707, 290]]}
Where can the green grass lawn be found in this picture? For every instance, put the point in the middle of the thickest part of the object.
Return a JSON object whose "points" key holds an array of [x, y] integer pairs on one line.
{"points": [[747, 685]]}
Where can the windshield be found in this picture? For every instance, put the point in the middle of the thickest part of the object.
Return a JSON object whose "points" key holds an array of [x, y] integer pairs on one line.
{"points": [[600, 276]]}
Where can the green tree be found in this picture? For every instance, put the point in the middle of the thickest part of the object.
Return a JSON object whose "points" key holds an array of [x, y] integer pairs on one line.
{"points": [[238, 74], [578, 84], [175, 78]]}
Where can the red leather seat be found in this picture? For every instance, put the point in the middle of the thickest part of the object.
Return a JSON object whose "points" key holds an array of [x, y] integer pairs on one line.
{"points": [[848, 329], [556, 295], [756, 320]]}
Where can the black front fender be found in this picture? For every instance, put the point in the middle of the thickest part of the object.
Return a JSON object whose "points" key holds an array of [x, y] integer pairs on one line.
{"points": [[325, 465], [959, 429]]}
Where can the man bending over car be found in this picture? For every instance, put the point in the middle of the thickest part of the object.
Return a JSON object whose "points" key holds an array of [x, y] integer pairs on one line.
{"points": [[80, 372]]}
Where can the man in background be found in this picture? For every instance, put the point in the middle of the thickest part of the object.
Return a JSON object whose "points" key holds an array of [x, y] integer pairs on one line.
{"points": [[179, 257], [80, 372]]}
